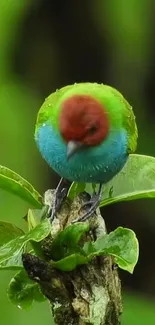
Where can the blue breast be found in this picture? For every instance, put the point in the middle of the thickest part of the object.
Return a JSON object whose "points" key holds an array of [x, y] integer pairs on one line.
{"points": [[93, 165]]}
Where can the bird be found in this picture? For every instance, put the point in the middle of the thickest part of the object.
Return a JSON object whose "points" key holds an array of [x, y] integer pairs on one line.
{"points": [[86, 132]]}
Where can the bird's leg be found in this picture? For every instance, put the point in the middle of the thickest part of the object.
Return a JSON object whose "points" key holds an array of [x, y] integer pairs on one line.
{"points": [[93, 203], [60, 195]]}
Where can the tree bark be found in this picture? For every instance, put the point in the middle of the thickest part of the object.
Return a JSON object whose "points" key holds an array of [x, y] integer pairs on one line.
{"points": [[91, 294]]}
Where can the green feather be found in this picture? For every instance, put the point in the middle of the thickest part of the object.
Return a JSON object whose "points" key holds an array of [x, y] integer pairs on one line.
{"points": [[128, 121], [47, 110], [119, 111]]}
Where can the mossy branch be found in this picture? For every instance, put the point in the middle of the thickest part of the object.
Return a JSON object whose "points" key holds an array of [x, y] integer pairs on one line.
{"points": [[91, 294]]}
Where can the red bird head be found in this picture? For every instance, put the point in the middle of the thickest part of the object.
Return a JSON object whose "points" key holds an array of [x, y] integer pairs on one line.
{"points": [[83, 122]]}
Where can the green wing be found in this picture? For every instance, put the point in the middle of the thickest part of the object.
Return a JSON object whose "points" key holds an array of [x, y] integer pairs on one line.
{"points": [[49, 105], [131, 127], [128, 122]]}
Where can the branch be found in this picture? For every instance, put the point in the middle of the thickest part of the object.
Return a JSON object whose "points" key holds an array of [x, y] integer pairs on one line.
{"points": [[91, 294]]}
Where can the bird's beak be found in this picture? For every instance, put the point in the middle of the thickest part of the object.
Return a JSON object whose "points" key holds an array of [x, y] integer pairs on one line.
{"points": [[72, 148]]}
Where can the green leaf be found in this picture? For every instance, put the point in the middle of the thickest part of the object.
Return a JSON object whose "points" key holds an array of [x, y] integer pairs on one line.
{"points": [[15, 184], [120, 243], [35, 216], [70, 262], [66, 241], [135, 181], [13, 263], [22, 291], [8, 232], [15, 246], [75, 189]]}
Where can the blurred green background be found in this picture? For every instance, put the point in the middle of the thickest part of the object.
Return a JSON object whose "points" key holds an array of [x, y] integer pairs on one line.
{"points": [[44, 45]]}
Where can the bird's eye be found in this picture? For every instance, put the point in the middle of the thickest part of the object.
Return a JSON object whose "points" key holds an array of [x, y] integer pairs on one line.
{"points": [[92, 129]]}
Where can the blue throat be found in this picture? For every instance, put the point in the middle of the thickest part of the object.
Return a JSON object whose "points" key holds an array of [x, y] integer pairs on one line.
{"points": [[93, 165]]}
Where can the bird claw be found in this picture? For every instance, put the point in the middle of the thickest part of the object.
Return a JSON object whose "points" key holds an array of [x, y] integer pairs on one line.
{"points": [[93, 203], [60, 195]]}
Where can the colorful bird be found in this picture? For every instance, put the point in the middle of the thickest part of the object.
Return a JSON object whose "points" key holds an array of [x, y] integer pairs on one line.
{"points": [[86, 132]]}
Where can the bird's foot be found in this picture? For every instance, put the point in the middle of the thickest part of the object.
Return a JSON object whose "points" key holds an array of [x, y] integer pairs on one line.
{"points": [[93, 204], [60, 194]]}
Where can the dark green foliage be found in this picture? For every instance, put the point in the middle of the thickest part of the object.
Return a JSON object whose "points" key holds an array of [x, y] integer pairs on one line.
{"points": [[22, 291]]}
